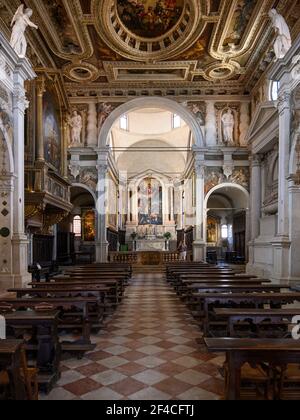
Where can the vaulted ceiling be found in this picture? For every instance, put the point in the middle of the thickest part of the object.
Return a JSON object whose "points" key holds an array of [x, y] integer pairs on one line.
{"points": [[208, 44]]}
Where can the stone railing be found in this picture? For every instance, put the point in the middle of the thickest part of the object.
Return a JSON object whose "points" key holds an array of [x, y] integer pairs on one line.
{"points": [[144, 257], [123, 257]]}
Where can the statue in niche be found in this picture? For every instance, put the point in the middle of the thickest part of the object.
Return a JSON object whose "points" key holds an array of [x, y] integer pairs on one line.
{"points": [[228, 127], [105, 110], [20, 22], [76, 127], [283, 42]]}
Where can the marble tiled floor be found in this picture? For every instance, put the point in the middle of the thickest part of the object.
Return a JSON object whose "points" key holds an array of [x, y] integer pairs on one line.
{"points": [[147, 351]]}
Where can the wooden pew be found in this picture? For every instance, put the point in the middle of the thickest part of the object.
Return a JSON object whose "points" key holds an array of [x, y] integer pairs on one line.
{"points": [[254, 352], [108, 296], [44, 342], [183, 284], [116, 286], [254, 300], [88, 309], [10, 362], [256, 317], [191, 296]]}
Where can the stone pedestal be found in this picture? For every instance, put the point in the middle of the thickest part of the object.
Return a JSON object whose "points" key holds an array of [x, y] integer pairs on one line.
{"points": [[13, 241]]}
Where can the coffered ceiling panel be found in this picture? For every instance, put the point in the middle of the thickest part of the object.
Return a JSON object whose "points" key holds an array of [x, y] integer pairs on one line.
{"points": [[107, 42]]}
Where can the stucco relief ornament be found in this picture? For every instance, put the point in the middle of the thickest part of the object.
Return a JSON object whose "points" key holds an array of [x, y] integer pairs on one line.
{"points": [[296, 70], [74, 170], [20, 22], [105, 110], [228, 170], [240, 177], [283, 41], [2, 68]]}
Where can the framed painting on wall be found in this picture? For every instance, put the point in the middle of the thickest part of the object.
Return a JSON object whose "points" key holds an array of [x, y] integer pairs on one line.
{"points": [[88, 225], [52, 130]]}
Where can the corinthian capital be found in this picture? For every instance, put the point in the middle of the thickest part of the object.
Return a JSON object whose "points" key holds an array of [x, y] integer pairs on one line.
{"points": [[102, 169], [200, 170], [20, 99], [40, 86]]}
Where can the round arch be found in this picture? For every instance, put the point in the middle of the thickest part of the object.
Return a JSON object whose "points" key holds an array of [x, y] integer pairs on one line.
{"points": [[85, 187], [228, 185], [243, 198], [153, 102]]}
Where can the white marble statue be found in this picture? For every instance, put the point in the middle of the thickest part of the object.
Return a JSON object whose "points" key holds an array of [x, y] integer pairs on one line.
{"points": [[228, 127], [19, 23], [76, 128], [283, 40]]}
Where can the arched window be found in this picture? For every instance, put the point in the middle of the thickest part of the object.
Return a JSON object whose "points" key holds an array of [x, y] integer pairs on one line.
{"points": [[77, 225], [176, 123], [274, 90], [124, 123], [224, 232]]}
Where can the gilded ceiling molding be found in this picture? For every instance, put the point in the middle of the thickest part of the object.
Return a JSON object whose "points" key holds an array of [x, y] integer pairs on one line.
{"points": [[133, 47]]}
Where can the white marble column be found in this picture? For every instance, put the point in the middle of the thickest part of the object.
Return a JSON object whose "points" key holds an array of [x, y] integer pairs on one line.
{"points": [[281, 244], [13, 241], [19, 240], [199, 246], [294, 216], [101, 207], [255, 205], [122, 197]]}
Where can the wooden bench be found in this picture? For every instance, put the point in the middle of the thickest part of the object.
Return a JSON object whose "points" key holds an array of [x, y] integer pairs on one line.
{"points": [[185, 285], [116, 286], [254, 352], [88, 313], [10, 362], [44, 342], [191, 296], [256, 317], [253, 300], [108, 295]]}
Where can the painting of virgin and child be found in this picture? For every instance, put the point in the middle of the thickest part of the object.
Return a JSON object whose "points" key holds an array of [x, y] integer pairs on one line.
{"points": [[150, 18]]}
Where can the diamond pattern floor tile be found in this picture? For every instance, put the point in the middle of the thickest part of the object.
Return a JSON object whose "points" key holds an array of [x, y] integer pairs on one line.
{"points": [[150, 349]]}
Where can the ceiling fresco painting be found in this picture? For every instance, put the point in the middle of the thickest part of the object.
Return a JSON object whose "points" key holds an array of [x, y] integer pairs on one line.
{"points": [[150, 18], [242, 15], [211, 46]]}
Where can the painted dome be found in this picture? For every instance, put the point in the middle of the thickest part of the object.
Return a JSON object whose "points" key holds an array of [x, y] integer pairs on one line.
{"points": [[150, 18]]}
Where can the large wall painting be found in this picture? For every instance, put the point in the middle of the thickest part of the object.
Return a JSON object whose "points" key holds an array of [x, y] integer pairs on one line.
{"points": [[88, 225], [52, 130], [150, 18], [150, 202]]}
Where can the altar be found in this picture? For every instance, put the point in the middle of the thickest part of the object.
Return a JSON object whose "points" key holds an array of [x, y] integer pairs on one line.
{"points": [[152, 244]]}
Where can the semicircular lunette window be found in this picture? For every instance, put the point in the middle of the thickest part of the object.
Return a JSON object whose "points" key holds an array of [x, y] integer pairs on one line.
{"points": [[150, 18]]}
